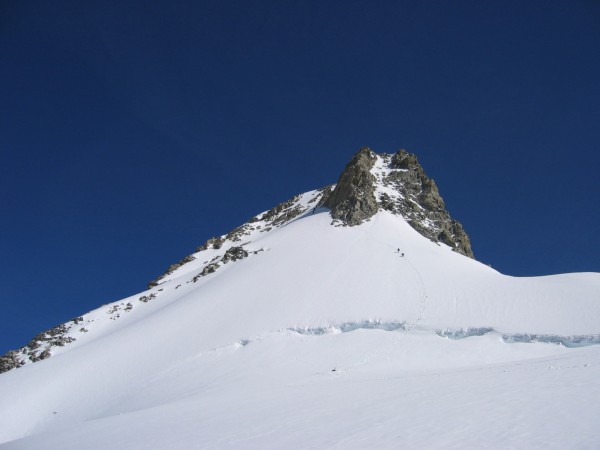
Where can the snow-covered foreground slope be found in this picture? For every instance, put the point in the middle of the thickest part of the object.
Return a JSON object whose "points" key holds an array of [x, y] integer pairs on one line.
{"points": [[325, 337], [389, 390]]}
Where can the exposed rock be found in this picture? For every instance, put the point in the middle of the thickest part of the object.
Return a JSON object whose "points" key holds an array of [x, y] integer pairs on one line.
{"points": [[353, 199], [415, 196], [39, 347], [210, 268], [274, 214], [214, 242], [143, 299], [421, 204], [43, 355], [170, 270], [236, 234], [234, 254], [10, 361], [278, 216]]}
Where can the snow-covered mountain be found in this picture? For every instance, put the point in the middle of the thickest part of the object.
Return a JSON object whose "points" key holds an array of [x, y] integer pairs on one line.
{"points": [[353, 316]]}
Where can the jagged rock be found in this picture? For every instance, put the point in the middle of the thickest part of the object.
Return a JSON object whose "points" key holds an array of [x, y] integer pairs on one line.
{"points": [[43, 355], [275, 217], [39, 347], [236, 234], [386, 202], [146, 298], [234, 254], [353, 199], [10, 361], [421, 204], [404, 160], [214, 242], [272, 214], [170, 270], [417, 197], [211, 268]]}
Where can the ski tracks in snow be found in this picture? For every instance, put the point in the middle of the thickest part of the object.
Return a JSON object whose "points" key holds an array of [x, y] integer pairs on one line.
{"points": [[423, 296]]}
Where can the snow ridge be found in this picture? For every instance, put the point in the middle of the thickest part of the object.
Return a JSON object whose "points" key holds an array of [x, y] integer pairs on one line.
{"points": [[208, 258]]}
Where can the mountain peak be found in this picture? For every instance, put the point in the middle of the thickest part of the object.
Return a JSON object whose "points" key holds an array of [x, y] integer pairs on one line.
{"points": [[398, 184], [290, 309], [369, 184]]}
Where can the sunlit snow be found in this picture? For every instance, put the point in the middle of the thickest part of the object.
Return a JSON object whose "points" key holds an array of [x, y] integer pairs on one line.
{"points": [[324, 337]]}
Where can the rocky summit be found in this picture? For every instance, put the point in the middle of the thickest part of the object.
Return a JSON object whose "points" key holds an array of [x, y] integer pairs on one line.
{"points": [[395, 183]]}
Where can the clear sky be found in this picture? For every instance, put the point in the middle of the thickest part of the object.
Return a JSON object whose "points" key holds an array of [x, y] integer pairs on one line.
{"points": [[131, 131]]}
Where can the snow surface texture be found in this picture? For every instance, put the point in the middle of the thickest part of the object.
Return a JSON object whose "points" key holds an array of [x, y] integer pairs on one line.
{"points": [[309, 335]]}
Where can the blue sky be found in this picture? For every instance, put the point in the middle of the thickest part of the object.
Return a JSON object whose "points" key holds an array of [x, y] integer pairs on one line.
{"points": [[130, 132]]}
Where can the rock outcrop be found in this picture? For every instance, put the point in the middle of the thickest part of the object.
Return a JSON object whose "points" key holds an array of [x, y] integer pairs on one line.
{"points": [[422, 205], [364, 189], [39, 347], [172, 268], [353, 199]]}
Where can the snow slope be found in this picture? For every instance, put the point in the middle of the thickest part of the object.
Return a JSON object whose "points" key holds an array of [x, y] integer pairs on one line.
{"points": [[323, 336]]}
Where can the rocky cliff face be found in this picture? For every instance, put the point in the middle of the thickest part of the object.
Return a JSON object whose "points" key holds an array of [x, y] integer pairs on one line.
{"points": [[395, 183], [353, 199]]}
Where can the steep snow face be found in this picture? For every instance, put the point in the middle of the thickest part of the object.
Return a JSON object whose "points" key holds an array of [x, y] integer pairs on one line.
{"points": [[213, 255]]}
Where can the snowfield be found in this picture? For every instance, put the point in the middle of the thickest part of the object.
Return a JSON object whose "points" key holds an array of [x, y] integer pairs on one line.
{"points": [[323, 337]]}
